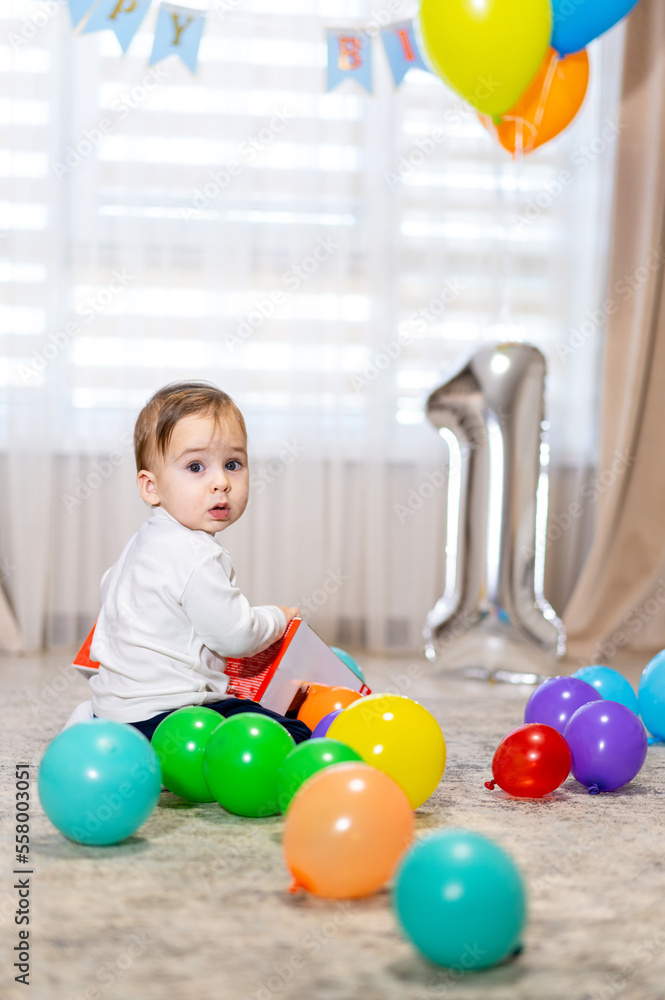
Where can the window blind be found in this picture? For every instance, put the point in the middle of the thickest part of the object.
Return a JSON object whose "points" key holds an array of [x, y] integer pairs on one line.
{"points": [[323, 256]]}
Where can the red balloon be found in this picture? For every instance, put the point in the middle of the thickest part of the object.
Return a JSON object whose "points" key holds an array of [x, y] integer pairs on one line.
{"points": [[531, 761]]}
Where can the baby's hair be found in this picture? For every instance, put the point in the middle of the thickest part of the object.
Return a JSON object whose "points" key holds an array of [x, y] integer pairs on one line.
{"points": [[156, 421]]}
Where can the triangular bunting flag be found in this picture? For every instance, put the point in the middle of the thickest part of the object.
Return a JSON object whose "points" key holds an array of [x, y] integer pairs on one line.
{"points": [[79, 8], [402, 50], [123, 17], [178, 33], [349, 57]]}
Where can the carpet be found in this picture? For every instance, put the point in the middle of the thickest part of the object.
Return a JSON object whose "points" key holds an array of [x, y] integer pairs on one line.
{"points": [[195, 906]]}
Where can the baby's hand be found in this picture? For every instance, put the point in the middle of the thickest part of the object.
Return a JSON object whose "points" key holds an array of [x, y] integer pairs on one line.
{"points": [[289, 613]]}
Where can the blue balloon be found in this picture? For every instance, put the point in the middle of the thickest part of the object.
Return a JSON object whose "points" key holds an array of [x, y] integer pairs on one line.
{"points": [[350, 662], [609, 683], [575, 23], [651, 695], [460, 899], [99, 781]]}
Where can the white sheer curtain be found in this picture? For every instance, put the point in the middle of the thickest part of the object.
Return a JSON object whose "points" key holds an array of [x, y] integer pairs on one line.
{"points": [[246, 227]]}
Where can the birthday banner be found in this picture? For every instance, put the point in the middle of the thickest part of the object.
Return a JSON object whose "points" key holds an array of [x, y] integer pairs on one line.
{"points": [[402, 51], [179, 31]]}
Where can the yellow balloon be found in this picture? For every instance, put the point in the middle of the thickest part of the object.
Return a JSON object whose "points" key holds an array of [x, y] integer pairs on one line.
{"points": [[400, 737], [486, 50]]}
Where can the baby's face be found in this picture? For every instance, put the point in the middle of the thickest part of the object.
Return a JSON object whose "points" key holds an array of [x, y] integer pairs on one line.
{"points": [[203, 480]]}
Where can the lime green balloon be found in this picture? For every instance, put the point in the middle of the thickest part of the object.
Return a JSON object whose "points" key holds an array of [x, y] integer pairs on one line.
{"points": [[241, 763], [487, 50], [180, 740], [307, 759]]}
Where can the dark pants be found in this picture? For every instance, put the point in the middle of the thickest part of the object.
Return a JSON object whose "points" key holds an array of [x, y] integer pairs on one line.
{"points": [[234, 706]]}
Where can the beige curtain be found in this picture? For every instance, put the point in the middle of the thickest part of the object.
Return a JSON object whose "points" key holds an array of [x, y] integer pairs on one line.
{"points": [[11, 640], [619, 599]]}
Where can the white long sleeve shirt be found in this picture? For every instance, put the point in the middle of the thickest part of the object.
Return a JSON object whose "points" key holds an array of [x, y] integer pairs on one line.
{"points": [[171, 614]]}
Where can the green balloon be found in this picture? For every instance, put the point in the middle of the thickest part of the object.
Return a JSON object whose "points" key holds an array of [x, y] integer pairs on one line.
{"points": [[242, 760], [306, 760], [460, 899], [179, 741]]}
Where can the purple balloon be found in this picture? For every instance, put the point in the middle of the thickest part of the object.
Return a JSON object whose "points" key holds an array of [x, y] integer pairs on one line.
{"points": [[323, 725], [557, 699], [608, 743]]}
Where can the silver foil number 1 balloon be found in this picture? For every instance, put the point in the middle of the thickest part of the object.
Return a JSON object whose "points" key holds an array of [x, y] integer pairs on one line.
{"points": [[493, 619]]}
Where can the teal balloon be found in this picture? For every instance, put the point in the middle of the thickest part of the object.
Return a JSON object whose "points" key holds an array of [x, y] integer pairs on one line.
{"points": [[242, 760], [99, 781], [180, 741], [651, 696], [460, 899], [350, 662], [307, 759], [610, 684]]}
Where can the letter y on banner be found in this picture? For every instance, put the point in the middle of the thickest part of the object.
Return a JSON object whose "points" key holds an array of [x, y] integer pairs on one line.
{"points": [[120, 16], [349, 56], [178, 32], [402, 50]]}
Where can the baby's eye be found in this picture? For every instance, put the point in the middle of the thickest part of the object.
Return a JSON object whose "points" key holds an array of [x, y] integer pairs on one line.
{"points": [[233, 465], [195, 467]]}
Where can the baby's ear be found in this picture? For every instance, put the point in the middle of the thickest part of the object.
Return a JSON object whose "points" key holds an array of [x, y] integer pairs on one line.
{"points": [[148, 487]]}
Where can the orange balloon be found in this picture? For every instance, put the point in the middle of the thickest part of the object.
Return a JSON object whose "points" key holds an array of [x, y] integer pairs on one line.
{"points": [[312, 688], [547, 106], [345, 831], [324, 700]]}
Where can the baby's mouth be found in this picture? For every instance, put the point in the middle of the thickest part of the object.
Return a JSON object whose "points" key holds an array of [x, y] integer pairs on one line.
{"points": [[220, 511]]}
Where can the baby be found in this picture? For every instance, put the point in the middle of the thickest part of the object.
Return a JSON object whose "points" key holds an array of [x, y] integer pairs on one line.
{"points": [[171, 611]]}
